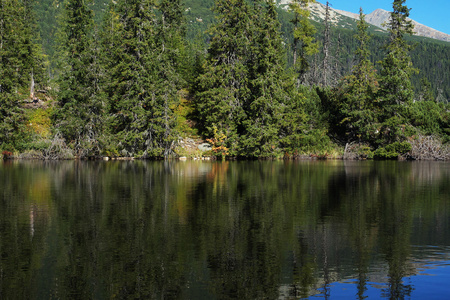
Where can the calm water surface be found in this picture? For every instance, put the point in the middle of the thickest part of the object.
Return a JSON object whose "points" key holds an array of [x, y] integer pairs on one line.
{"points": [[224, 230]]}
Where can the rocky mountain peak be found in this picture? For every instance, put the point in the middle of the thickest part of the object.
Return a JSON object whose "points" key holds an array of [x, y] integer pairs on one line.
{"points": [[378, 17], [375, 18]]}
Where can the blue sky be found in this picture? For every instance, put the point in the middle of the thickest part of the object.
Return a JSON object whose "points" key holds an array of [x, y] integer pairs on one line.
{"points": [[432, 13]]}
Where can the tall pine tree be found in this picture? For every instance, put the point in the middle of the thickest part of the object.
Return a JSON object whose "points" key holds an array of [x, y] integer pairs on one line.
{"points": [[144, 42], [271, 88], [327, 78], [223, 86], [304, 44], [170, 62], [129, 43], [8, 75], [360, 88], [397, 67], [396, 92], [20, 57], [80, 108]]}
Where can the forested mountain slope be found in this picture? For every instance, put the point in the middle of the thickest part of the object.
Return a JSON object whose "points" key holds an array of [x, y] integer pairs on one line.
{"points": [[135, 77], [430, 57]]}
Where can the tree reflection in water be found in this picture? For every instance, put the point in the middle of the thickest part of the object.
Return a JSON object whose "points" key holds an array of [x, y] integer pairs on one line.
{"points": [[224, 230]]}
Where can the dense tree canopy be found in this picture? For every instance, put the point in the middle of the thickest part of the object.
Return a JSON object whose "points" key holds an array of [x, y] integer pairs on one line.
{"points": [[223, 84], [357, 108], [20, 60], [137, 77], [304, 44], [396, 92], [80, 108]]}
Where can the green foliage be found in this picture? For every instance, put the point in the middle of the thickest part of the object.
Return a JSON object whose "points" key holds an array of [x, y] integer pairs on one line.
{"points": [[244, 90], [184, 112], [47, 13], [270, 87], [144, 55], [80, 108], [427, 116], [20, 58], [392, 151], [304, 44], [394, 129], [382, 153], [20, 54], [396, 93], [11, 119], [430, 118], [362, 151], [395, 86], [431, 58], [304, 125], [426, 92], [39, 122], [128, 36], [170, 69], [356, 111], [445, 123], [223, 86], [122, 89], [199, 16]]}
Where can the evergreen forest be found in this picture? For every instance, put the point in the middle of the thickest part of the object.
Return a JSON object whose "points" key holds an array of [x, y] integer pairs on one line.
{"points": [[139, 78]]}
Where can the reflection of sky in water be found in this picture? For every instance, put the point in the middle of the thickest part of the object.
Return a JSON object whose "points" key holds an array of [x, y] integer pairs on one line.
{"points": [[434, 282], [431, 282]]}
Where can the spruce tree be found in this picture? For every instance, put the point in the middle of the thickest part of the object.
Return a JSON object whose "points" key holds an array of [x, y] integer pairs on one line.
{"points": [[296, 123], [360, 88], [80, 109], [326, 63], [271, 89], [397, 69], [20, 57], [8, 74], [396, 92], [9, 62], [304, 44], [144, 42], [223, 86], [170, 62], [128, 45], [426, 91], [171, 31], [47, 14]]}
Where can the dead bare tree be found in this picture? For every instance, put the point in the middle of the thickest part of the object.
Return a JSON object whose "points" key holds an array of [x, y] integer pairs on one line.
{"points": [[330, 65], [429, 148], [326, 65], [57, 149]]}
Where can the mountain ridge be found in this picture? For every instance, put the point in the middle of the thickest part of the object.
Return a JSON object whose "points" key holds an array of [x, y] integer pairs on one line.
{"points": [[375, 18], [380, 16]]}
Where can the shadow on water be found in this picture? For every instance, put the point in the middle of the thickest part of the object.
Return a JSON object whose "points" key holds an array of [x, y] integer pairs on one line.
{"points": [[222, 230]]}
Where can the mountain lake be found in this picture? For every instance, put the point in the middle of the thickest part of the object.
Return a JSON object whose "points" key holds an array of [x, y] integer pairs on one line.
{"points": [[224, 230]]}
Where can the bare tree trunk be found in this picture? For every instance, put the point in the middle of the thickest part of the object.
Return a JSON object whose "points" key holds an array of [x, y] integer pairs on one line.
{"points": [[295, 44], [326, 48], [32, 86], [336, 73]]}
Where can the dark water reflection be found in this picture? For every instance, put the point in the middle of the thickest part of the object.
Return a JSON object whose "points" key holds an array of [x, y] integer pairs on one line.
{"points": [[224, 230]]}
